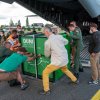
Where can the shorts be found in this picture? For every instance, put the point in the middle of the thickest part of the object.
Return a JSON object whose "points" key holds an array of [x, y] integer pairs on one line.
{"points": [[8, 76]]}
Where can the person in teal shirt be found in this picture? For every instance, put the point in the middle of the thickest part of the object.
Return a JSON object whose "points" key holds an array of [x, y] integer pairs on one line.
{"points": [[9, 67]]}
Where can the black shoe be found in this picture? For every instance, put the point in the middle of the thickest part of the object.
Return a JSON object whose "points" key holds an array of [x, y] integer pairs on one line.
{"points": [[13, 83], [45, 92], [74, 83], [24, 86], [77, 81], [76, 75], [81, 70]]}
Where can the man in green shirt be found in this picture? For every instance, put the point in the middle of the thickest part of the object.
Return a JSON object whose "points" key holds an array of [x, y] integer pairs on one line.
{"points": [[78, 43]]}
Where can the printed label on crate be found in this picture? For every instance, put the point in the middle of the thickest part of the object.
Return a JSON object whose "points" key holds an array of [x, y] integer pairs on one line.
{"points": [[28, 41]]}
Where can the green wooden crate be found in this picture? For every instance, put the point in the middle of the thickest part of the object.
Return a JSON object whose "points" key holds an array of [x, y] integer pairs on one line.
{"points": [[36, 45]]}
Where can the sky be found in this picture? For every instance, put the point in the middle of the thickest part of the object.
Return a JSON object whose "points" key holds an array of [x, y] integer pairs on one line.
{"points": [[17, 12]]}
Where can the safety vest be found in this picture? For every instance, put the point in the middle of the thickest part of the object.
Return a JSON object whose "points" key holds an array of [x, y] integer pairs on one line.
{"points": [[13, 42]]}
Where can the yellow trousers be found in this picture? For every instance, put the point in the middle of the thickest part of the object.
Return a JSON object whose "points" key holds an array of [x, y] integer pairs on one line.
{"points": [[51, 68]]}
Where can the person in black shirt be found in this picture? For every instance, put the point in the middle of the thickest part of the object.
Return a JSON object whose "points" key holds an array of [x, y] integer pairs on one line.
{"points": [[94, 50], [5, 51]]}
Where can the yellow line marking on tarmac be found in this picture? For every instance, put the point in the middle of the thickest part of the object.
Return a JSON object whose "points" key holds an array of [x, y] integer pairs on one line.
{"points": [[96, 96]]}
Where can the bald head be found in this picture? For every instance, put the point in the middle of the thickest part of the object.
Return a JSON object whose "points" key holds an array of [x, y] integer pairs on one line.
{"points": [[7, 45]]}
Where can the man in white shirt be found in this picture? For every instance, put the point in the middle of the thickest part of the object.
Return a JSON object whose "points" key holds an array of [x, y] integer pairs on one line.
{"points": [[55, 48]]}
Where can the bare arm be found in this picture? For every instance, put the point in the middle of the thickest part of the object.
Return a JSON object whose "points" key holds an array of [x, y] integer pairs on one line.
{"points": [[33, 58], [28, 54]]}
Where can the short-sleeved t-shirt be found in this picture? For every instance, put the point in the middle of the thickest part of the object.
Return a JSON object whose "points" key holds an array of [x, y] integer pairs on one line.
{"points": [[12, 62]]}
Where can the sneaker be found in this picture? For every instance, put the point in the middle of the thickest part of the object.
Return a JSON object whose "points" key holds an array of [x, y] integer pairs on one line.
{"points": [[93, 82], [24, 86], [45, 92]]}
